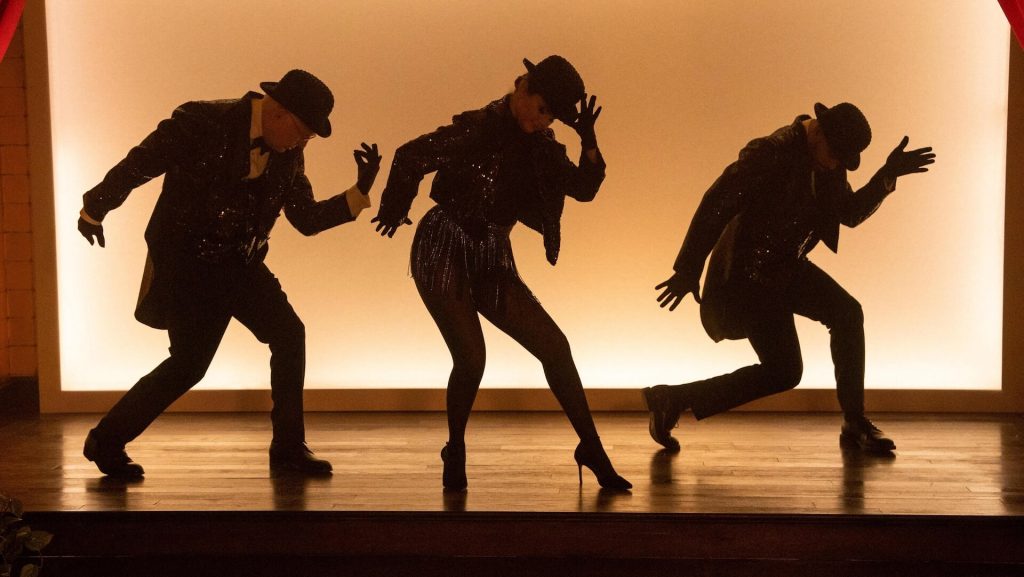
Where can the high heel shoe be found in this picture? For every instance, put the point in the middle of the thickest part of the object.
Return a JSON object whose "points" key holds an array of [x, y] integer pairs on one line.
{"points": [[592, 456], [454, 476]]}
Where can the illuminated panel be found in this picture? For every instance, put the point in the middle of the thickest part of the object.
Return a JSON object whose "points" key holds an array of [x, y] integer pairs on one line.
{"points": [[683, 84]]}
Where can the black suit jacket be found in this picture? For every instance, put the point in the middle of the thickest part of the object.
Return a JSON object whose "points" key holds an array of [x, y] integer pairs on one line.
{"points": [[766, 212], [206, 212]]}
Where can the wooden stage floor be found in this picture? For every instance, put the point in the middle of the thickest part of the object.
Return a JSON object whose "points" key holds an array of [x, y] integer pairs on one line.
{"points": [[952, 492], [734, 463]]}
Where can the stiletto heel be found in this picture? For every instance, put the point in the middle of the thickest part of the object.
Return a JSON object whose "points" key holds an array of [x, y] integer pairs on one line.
{"points": [[591, 454], [453, 478]]}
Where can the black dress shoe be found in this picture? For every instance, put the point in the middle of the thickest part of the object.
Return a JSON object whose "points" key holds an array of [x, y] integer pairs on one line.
{"points": [[860, 433], [297, 458], [111, 459], [664, 416]]}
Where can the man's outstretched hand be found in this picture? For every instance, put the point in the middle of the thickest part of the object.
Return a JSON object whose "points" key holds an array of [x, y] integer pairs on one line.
{"points": [[367, 165], [902, 162]]}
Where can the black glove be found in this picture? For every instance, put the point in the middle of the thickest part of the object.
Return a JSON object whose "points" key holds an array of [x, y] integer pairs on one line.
{"points": [[902, 162], [676, 289], [91, 231], [584, 122], [388, 228], [367, 163]]}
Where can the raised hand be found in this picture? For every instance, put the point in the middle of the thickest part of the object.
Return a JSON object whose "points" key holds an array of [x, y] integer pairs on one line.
{"points": [[902, 162], [92, 232], [676, 288], [367, 164], [388, 229], [584, 122]]}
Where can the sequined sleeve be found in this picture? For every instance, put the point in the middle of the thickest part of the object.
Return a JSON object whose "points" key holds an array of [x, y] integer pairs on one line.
{"points": [[175, 140], [308, 215], [855, 207], [421, 156], [727, 197], [580, 181]]}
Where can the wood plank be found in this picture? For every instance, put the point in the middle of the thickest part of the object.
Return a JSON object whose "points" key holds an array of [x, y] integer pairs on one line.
{"points": [[736, 463]]}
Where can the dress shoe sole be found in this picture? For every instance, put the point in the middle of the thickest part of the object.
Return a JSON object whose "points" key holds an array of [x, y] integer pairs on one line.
{"points": [[130, 470], [853, 442], [300, 470]]}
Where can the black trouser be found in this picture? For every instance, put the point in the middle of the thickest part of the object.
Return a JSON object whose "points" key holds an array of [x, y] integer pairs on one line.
{"points": [[203, 299], [771, 331]]}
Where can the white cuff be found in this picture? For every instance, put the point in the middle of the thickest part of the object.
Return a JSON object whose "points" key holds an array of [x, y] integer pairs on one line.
{"points": [[85, 216], [357, 201]]}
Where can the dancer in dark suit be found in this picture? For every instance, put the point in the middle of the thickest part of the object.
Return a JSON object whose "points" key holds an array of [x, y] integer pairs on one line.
{"points": [[230, 167], [762, 217]]}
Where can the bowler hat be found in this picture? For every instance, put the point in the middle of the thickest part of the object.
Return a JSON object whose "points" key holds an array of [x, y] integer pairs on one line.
{"points": [[305, 96], [846, 131], [558, 83]]}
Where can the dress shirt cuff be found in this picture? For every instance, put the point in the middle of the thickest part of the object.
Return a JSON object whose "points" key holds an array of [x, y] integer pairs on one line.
{"points": [[357, 201], [85, 216]]}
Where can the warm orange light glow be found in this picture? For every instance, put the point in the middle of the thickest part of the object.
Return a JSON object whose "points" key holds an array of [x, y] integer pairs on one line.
{"points": [[684, 86]]}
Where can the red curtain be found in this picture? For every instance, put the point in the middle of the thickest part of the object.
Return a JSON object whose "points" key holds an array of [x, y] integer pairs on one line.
{"points": [[1014, 10], [10, 13]]}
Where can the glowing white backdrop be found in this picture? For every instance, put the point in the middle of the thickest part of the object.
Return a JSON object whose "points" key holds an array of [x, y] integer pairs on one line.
{"points": [[683, 84]]}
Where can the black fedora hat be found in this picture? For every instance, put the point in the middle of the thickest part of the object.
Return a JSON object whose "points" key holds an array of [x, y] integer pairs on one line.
{"points": [[555, 79], [305, 96], [846, 130]]}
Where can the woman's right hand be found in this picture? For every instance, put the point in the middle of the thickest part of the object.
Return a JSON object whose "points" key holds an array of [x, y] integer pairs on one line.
{"points": [[388, 229]]}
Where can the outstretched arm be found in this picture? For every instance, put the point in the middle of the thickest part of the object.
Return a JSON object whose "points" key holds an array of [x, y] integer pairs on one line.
{"points": [[174, 141], [417, 158], [857, 207], [310, 216], [726, 198]]}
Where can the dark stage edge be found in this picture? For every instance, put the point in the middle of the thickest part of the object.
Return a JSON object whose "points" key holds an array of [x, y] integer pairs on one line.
{"points": [[257, 543]]}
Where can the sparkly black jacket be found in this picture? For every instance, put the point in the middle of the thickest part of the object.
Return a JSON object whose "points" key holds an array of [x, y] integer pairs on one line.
{"points": [[206, 210], [478, 158], [763, 215]]}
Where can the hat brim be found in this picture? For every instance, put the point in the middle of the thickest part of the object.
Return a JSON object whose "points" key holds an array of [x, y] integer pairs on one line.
{"points": [[322, 129], [566, 112]]}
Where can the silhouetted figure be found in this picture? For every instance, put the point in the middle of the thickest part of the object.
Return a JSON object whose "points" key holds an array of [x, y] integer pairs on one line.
{"points": [[762, 217], [497, 166], [230, 168]]}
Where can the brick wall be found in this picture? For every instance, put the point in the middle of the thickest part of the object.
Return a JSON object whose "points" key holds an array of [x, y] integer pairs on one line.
{"points": [[17, 302]]}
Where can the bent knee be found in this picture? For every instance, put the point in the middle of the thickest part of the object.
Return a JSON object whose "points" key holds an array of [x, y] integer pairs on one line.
{"points": [[785, 376], [469, 366], [290, 335]]}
